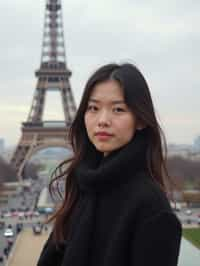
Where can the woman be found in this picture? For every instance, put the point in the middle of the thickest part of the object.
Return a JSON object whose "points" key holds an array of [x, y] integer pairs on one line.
{"points": [[115, 210]]}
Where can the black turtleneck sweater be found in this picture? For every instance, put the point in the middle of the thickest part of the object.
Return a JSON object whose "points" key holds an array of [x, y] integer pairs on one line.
{"points": [[122, 218]]}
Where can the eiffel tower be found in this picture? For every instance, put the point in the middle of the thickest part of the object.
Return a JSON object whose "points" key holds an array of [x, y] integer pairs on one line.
{"points": [[53, 74]]}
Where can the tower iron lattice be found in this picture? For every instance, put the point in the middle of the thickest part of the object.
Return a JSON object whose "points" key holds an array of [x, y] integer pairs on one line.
{"points": [[53, 74]]}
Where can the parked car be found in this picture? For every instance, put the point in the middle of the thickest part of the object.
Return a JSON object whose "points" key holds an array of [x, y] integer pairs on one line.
{"points": [[7, 214], [15, 214], [36, 214], [176, 206], [19, 227], [188, 212], [2, 224], [8, 232], [37, 229], [49, 210], [188, 221], [21, 215], [10, 242]]}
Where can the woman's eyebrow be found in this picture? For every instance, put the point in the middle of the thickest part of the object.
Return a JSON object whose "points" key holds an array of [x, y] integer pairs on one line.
{"points": [[113, 102]]}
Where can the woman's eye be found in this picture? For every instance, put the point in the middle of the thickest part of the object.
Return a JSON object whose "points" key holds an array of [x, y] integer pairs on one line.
{"points": [[119, 110], [92, 108]]}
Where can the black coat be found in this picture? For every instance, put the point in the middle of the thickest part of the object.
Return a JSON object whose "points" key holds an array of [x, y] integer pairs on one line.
{"points": [[123, 218]]}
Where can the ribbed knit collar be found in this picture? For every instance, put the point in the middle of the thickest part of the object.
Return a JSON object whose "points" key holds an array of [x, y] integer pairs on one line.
{"points": [[96, 173]]}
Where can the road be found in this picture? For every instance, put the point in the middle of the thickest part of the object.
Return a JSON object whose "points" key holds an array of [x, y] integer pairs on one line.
{"points": [[24, 201], [191, 219]]}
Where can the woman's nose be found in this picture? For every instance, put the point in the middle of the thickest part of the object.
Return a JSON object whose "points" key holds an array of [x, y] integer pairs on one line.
{"points": [[104, 119]]}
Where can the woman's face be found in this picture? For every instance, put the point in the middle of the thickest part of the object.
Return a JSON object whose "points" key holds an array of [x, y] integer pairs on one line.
{"points": [[109, 122]]}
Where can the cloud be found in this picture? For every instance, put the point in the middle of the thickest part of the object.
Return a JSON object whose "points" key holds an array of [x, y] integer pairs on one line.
{"points": [[14, 108]]}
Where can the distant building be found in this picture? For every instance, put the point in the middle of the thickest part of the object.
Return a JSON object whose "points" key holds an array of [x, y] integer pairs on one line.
{"points": [[8, 189], [12, 189], [2, 145], [184, 151], [7, 153], [197, 144], [192, 198], [179, 150]]}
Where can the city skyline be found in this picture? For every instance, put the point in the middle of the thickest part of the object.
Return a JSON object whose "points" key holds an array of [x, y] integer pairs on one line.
{"points": [[160, 38]]}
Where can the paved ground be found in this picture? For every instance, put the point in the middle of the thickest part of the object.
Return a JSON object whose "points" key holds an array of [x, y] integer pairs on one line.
{"points": [[190, 226], [27, 248]]}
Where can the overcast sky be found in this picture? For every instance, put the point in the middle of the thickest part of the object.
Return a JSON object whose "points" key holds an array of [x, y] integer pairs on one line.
{"points": [[161, 37]]}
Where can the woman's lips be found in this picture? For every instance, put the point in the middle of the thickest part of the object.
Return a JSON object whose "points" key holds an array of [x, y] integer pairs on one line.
{"points": [[103, 135]]}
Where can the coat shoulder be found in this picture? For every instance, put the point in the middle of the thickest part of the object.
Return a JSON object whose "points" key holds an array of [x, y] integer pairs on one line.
{"points": [[148, 196]]}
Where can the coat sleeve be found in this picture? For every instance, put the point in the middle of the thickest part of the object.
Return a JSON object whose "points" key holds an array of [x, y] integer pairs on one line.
{"points": [[50, 254], [157, 241]]}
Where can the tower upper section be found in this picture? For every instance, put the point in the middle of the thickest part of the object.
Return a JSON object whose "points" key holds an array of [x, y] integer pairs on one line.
{"points": [[53, 46]]}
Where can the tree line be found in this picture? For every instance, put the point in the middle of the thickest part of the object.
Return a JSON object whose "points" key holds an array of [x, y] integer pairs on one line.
{"points": [[185, 172]]}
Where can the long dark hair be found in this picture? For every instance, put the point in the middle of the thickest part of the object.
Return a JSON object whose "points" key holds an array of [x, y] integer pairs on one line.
{"points": [[138, 99]]}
